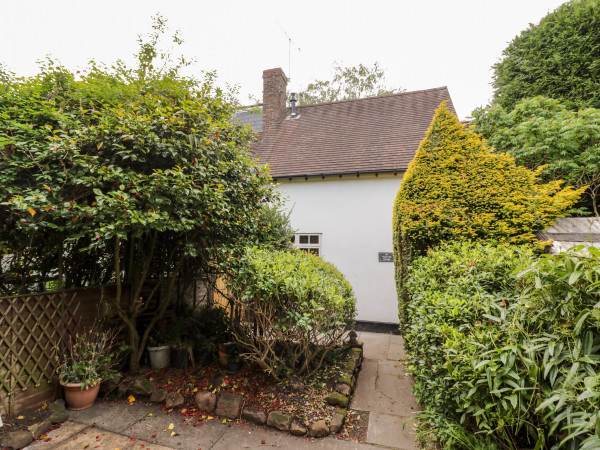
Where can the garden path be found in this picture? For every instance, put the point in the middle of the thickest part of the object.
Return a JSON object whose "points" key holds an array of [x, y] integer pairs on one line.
{"points": [[382, 389]]}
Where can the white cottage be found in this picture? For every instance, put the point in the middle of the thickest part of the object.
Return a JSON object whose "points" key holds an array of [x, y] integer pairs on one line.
{"points": [[341, 164]]}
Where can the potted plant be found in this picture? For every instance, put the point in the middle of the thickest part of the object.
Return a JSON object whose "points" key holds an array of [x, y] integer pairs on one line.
{"points": [[159, 354], [181, 350], [88, 359], [181, 355], [204, 351], [234, 364], [225, 351]]}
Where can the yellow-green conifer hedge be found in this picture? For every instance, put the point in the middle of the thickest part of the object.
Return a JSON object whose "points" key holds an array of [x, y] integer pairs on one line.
{"points": [[456, 189]]}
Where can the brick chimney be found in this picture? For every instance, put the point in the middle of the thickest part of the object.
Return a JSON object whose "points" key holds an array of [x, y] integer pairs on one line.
{"points": [[274, 98]]}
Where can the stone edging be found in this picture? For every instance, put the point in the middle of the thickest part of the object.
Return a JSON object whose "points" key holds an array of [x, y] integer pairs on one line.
{"points": [[20, 439], [229, 405]]}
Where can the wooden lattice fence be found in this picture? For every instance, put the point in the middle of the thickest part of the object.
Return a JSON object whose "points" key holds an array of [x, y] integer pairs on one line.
{"points": [[32, 328]]}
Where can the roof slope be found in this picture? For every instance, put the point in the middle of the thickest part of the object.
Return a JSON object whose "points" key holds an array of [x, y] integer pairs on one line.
{"points": [[375, 134]]}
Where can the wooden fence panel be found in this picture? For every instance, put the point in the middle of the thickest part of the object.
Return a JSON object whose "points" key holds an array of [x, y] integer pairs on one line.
{"points": [[32, 329]]}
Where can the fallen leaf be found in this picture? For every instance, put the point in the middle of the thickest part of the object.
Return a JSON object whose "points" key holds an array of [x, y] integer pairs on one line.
{"points": [[149, 414], [21, 417], [131, 399], [171, 426], [172, 433], [224, 421]]}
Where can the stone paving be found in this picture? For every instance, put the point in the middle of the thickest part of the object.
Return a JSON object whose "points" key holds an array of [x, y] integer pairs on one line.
{"points": [[383, 390]]}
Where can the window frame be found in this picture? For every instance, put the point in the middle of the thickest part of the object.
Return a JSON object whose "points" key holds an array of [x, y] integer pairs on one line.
{"points": [[312, 248]]}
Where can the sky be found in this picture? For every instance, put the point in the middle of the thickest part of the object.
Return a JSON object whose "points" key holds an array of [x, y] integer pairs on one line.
{"points": [[420, 44]]}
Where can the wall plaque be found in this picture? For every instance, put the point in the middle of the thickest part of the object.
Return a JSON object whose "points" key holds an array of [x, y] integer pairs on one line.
{"points": [[386, 257]]}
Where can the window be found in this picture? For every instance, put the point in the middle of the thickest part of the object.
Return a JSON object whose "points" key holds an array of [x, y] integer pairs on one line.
{"points": [[308, 242]]}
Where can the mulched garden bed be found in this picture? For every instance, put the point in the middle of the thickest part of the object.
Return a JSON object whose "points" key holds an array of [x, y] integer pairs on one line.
{"points": [[303, 399]]}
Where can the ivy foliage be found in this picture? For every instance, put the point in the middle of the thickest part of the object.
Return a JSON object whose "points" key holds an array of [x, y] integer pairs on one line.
{"points": [[125, 175], [300, 305], [557, 58], [504, 346], [543, 133], [457, 189]]}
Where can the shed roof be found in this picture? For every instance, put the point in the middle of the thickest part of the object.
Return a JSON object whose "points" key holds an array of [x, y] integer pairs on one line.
{"points": [[375, 134]]}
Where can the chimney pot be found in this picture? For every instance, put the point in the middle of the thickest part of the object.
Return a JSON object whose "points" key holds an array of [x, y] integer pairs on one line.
{"points": [[293, 102]]}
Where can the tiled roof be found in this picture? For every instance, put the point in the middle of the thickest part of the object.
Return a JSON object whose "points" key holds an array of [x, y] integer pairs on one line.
{"points": [[375, 134], [252, 118]]}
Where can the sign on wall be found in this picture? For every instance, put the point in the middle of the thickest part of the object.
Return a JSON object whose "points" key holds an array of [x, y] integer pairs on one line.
{"points": [[386, 257]]}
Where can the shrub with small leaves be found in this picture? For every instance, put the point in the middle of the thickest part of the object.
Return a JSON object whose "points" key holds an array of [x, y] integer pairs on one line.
{"points": [[296, 307]]}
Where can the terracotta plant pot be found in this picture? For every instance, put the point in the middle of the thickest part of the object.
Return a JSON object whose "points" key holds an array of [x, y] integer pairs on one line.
{"points": [[223, 357], [78, 399]]}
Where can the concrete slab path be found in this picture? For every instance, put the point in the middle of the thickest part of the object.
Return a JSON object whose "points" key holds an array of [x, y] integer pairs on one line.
{"points": [[382, 389]]}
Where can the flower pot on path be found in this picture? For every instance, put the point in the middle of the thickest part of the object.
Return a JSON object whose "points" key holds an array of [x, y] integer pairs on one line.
{"points": [[159, 356], [76, 398]]}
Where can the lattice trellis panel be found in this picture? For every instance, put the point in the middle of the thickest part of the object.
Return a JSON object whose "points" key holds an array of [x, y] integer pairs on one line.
{"points": [[32, 329]]}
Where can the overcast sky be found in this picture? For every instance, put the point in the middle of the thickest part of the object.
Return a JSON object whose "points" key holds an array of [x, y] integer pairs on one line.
{"points": [[420, 43]]}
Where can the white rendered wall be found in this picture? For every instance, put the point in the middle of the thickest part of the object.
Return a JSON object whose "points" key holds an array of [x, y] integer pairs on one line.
{"points": [[354, 216]]}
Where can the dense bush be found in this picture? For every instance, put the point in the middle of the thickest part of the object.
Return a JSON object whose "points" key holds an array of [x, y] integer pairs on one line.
{"points": [[556, 58], [542, 132], [452, 290], [457, 189], [135, 176], [296, 308], [510, 356]]}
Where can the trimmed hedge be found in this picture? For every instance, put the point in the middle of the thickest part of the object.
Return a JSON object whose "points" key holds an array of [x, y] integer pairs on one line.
{"points": [[506, 357], [300, 307], [456, 189]]}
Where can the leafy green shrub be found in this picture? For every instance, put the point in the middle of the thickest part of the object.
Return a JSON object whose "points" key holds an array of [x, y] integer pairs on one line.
{"points": [[542, 131], [452, 290], [557, 58], [456, 189], [296, 309], [140, 170], [89, 357], [509, 355]]}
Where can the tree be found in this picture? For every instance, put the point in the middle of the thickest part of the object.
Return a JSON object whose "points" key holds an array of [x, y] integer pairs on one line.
{"points": [[347, 83], [541, 133], [138, 175], [558, 58], [455, 189]]}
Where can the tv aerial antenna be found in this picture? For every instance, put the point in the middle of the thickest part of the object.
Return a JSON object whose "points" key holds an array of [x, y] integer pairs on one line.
{"points": [[290, 42]]}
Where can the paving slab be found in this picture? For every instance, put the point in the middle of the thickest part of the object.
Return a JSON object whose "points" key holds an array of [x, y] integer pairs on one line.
{"points": [[383, 387], [60, 435], [391, 431], [396, 352], [155, 429], [375, 345], [112, 416], [238, 438], [91, 438]]}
